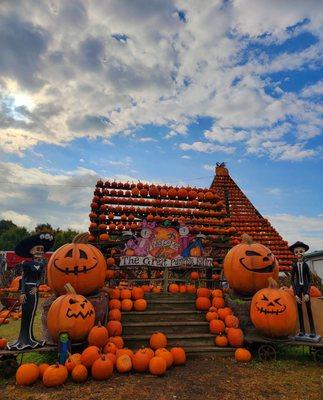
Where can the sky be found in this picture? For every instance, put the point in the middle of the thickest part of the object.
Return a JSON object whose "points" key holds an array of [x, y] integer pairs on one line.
{"points": [[159, 91]]}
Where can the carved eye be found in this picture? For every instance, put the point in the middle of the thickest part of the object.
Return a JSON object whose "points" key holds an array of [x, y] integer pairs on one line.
{"points": [[264, 298], [71, 301], [252, 253], [83, 254], [269, 254], [277, 301], [69, 253]]}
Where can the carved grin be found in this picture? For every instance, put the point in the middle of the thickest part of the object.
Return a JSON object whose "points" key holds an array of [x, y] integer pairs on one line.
{"points": [[265, 311], [70, 314], [270, 268], [76, 270]]}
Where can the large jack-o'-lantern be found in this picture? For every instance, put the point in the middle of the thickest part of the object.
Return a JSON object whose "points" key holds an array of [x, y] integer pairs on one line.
{"points": [[78, 263], [72, 314], [248, 265], [273, 311]]}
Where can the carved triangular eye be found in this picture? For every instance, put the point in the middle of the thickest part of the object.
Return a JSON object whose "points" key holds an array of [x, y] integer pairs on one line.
{"points": [[252, 253], [72, 301], [83, 254], [264, 298], [69, 253]]}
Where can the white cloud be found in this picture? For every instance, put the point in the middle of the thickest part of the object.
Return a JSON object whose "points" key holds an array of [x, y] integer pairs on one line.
{"points": [[208, 167], [205, 147], [274, 191], [299, 227], [18, 219], [225, 135], [186, 157]]}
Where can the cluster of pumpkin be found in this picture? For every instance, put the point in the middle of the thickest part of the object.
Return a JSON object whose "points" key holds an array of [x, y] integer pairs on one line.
{"points": [[126, 300], [14, 287], [103, 355], [6, 314]]}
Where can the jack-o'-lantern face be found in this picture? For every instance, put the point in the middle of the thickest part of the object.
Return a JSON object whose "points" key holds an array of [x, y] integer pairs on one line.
{"points": [[73, 314], [247, 267], [82, 265], [258, 258], [273, 312]]}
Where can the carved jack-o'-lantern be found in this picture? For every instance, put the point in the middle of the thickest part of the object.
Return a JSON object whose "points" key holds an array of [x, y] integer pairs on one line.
{"points": [[248, 265], [78, 263], [273, 311], [71, 313]]}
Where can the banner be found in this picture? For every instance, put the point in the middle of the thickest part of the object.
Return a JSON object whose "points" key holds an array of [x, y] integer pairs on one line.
{"points": [[135, 261]]}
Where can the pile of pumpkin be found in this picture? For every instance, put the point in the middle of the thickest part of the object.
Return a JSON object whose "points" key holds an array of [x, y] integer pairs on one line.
{"points": [[6, 314], [103, 355]]}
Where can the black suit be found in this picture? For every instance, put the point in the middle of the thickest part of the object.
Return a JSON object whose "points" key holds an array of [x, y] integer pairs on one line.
{"points": [[301, 283]]}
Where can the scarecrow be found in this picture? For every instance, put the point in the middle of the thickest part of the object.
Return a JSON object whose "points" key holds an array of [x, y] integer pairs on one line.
{"points": [[32, 247], [301, 283]]}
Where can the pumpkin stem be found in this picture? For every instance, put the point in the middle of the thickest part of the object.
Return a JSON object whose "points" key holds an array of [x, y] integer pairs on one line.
{"points": [[246, 239], [272, 283], [69, 288], [81, 238]]}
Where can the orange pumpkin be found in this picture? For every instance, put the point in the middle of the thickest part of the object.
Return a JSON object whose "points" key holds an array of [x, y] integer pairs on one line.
{"points": [[3, 343], [72, 361], [79, 264], [79, 373], [140, 361], [102, 368], [273, 311], [115, 315], [248, 265], [124, 363], [157, 366], [27, 374], [55, 375], [158, 340], [202, 303], [89, 355], [118, 341], [114, 328], [98, 336], [221, 341], [148, 351], [242, 355], [216, 326], [71, 313], [179, 355], [166, 355], [140, 305], [235, 337]]}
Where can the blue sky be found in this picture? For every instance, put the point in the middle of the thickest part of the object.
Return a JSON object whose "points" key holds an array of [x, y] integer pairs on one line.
{"points": [[161, 92]]}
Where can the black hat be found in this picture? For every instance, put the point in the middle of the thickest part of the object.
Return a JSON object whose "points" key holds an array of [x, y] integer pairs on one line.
{"points": [[45, 239], [298, 244]]}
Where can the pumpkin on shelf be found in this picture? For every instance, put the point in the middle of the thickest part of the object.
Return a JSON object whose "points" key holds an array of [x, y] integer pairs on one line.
{"points": [[71, 313], [247, 266], [158, 340], [273, 311], [78, 263]]}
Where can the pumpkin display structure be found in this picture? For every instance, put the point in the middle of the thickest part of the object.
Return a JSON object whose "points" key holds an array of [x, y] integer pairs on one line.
{"points": [[78, 263], [71, 313], [273, 311], [248, 265]]}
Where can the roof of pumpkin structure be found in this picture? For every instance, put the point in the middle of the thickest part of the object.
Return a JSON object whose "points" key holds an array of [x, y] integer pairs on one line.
{"points": [[245, 218], [121, 206]]}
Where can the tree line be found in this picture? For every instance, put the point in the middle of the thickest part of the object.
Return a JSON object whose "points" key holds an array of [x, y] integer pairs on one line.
{"points": [[11, 234]]}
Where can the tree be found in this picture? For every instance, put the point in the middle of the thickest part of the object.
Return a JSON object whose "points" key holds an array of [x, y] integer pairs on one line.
{"points": [[11, 237], [6, 225], [44, 227]]}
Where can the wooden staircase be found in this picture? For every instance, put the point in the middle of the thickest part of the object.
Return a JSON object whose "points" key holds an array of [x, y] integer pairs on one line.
{"points": [[176, 316]]}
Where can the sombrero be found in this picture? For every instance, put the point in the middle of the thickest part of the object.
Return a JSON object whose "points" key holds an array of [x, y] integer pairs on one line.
{"points": [[298, 244], [40, 239]]}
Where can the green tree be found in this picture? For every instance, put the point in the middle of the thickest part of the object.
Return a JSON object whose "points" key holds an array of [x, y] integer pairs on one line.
{"points": [[5, 225], [63, 237], [11, 237]]}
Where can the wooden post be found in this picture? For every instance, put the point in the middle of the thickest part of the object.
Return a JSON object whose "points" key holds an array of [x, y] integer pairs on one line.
{"points": [[165, 279]]}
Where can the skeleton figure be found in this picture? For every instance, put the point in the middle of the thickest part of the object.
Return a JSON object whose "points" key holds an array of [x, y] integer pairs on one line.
{"points": [[301, 283]]}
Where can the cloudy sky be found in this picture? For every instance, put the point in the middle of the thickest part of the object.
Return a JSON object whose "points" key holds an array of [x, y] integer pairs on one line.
{"points": [[160, 91]]}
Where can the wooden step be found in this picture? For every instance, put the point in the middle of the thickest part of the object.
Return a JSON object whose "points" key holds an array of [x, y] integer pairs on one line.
{"points": [[170, 296], [167, 327], [221, 351], [167, 304], [165, 315], [183, 340]]}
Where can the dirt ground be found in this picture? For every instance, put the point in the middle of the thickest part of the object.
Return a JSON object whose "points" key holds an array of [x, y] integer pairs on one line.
{"points": [[204, 378]]}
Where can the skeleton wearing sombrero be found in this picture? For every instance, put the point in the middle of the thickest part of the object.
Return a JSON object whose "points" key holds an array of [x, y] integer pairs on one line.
{"points": [[32, 247]]}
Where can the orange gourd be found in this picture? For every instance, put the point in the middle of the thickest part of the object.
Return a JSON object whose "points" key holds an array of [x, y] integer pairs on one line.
{"points": [[27, 374], [55, 375], [179, 355], [158, 340]]}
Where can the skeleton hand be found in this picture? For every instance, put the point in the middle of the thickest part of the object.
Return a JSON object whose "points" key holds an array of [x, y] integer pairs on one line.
{"points": [[306, 297], [22, 298], [298, 299], [33, 290]]}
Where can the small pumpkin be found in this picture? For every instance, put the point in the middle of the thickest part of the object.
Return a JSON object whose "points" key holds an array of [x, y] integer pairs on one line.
{"points": [[221, 341], [102, 368], [216, 326], [179, 355], [55, 375], [140, 361], [157, 366], [124, 363], [202, 303], [89, 355], [72, 361], [98, 336], [79, 373], [114, 328], [42, 368], [158, 340], [242, 355], [27, 374], [235, 337], [140, 305], [166, 355], [118, 341]]}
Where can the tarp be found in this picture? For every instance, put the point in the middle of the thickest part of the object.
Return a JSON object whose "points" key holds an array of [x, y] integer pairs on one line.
{"points": [[12, 259]]}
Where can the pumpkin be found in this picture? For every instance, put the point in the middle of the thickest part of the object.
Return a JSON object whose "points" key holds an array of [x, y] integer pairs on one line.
{"points": [[118, 341], [55, 375], [98, 336], [158, 340], [202, 303], [78, 263], [42, 368], [273, 311], [166, 355], [179, 355], [140, 305], [125, 294], [89, 355], [110, 348], [126, 305], [140, 361], [218, 302], [112, 357], [3, 343], [157, 366], [137, 293], [102, 368], [315, 292], [248, 265], [191, 289], [231, 321], [235, 337], [115, 315], [148, 351], [203, 292], [210, 315], [79, 373], [217, 293], [223, 312], [27, 374], [72, 361], [71, 313], [114, 328], [115, 304], [124, 363], [242, 355], [173, 288], [216, 326], [221, 341]]}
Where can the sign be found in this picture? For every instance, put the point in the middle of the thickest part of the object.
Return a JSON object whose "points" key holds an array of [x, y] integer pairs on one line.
{"points": [[135, 261]]}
